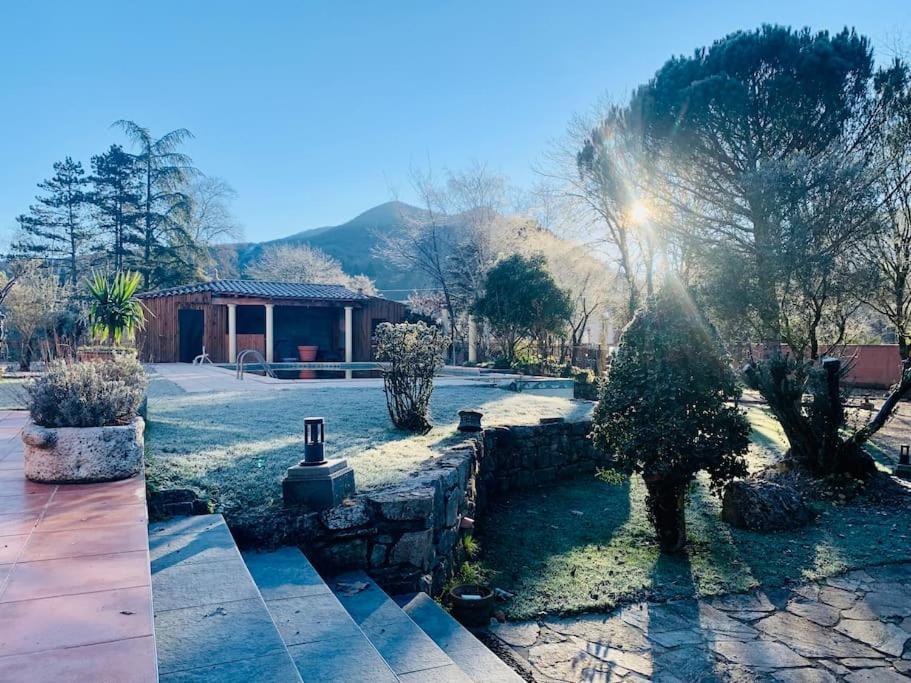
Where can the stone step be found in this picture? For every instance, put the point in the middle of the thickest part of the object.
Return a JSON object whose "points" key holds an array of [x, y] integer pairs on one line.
{"points": [[211, 623], [322, 638], [469, 653], [411, 653]]}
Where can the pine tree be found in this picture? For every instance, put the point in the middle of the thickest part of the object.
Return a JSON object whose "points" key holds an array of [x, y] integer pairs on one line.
{"points": [[165, 248], [55, 228], [115, 197]]}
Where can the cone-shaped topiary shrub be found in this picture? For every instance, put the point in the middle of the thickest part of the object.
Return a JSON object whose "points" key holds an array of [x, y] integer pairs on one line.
{"points": [[664, 411]]}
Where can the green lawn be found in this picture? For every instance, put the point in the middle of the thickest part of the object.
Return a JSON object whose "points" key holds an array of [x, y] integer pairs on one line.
{"points": [[588, 545], [12, 393], [236, 446]]}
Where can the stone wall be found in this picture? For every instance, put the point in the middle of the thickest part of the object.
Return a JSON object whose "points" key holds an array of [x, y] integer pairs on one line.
{"points": [[408, 537]]}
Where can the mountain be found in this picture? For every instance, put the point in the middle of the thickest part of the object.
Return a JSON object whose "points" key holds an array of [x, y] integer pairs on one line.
{"points": [[353, 245]]}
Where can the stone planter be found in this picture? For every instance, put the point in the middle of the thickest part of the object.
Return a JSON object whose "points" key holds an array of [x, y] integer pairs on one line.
{"points": [[68, 455], [103, 353]]}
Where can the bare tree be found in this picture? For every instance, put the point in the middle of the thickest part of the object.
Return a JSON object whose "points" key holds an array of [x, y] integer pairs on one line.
{"points": [[32, 306], [208, 219], [451, 240], [598, 174], [303, 263]]}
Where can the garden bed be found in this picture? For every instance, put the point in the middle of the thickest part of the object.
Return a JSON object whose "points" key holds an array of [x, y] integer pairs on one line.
{"points": [[587, 545], [236, 446]]}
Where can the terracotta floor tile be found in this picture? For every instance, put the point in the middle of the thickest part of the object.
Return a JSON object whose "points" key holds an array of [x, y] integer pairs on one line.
{"points": [[17, 523], [72, 575], [14, 461], [100, 540], [123, 661], [117, 496], [24, 502], [10, 547], [19, 485], [73, 620], [111, 493], [78, 516]]}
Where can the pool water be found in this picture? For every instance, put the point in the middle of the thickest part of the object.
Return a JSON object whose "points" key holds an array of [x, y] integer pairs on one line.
{"points": [[306, 373]]}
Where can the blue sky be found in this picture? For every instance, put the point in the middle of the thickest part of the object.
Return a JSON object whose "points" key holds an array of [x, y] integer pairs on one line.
{"points": [[314, 111]]}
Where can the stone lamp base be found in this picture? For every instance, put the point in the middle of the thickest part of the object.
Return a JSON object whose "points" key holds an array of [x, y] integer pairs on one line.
{"points": [[318, 486]]}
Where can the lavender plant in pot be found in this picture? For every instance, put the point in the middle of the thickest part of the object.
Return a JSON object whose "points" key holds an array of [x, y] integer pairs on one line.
{"points": [[85, 424]]}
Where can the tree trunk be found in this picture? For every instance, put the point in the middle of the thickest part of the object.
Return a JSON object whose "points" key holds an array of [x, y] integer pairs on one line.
{"points": [[666, 509]]}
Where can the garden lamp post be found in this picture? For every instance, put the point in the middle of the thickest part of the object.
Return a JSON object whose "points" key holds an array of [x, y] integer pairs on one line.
{"points": [[314, 441], [316, 482], [904, 462]]}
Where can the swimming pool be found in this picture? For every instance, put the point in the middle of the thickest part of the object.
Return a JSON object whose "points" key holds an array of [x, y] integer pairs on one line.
{"points": [[307, 370]]}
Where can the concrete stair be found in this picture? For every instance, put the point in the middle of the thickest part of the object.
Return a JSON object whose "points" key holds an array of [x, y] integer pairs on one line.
{"points": [[223, 616], [466, 651], [211, 623], [323, 640], [410, 652]]}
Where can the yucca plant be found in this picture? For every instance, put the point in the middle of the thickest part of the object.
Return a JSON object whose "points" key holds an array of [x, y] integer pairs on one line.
{"points": [[115, 312]]}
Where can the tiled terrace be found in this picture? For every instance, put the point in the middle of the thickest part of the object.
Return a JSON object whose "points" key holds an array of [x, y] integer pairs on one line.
{"points": [[75, 589]]}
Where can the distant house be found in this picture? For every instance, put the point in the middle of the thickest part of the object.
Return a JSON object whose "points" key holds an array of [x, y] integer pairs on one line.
{"points": [[331, 322]]}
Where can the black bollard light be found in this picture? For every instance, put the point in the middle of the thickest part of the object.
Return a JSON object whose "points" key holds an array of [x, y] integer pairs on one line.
{"points": [[904, 455], [314, 441]]}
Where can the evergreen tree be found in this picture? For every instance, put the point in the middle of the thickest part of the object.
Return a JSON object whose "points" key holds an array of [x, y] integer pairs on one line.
{"points": [[54, 229], [115, 197], [165, 248]]}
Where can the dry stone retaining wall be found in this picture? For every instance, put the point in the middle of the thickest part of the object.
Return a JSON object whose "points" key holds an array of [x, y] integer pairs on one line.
{"points": [[408, 537]]}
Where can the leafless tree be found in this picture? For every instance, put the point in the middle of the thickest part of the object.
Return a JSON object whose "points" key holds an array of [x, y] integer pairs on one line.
{"points": [[303, 263]]}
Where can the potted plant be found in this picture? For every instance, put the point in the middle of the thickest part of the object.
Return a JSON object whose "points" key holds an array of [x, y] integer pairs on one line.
{"points": [[115, 314], [85, 424]]}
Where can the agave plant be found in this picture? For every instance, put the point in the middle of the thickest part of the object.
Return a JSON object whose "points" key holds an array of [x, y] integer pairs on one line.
{"points": [[115, 312]]}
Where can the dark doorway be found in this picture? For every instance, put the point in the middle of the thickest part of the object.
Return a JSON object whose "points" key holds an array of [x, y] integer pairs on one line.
{"points": [[190, 324]]}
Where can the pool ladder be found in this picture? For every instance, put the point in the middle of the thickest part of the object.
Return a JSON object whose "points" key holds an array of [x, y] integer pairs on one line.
{"points": [[258, 357]]}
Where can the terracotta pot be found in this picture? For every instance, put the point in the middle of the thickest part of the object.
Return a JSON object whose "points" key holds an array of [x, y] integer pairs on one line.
{"points": [[471, 604], [307, 354]]}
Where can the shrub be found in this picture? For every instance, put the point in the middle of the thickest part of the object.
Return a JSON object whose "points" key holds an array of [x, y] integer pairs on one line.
{"points": [[88, 394], [521, 301], [664, 410], [115, 312], [415, 352]]}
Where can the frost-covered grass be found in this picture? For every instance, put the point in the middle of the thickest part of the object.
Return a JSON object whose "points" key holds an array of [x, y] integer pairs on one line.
{"points": [[236, 446], [588, 545]]}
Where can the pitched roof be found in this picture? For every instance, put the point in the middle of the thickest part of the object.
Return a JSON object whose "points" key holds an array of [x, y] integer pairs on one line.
{"points": [[263, 290]]}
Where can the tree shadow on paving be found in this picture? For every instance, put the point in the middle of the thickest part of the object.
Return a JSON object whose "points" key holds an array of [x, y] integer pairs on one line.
{"points": [[676, 627]]}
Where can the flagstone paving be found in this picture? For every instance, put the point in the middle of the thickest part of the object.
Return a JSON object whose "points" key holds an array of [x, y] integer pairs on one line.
{"points": [[852, 628]]}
